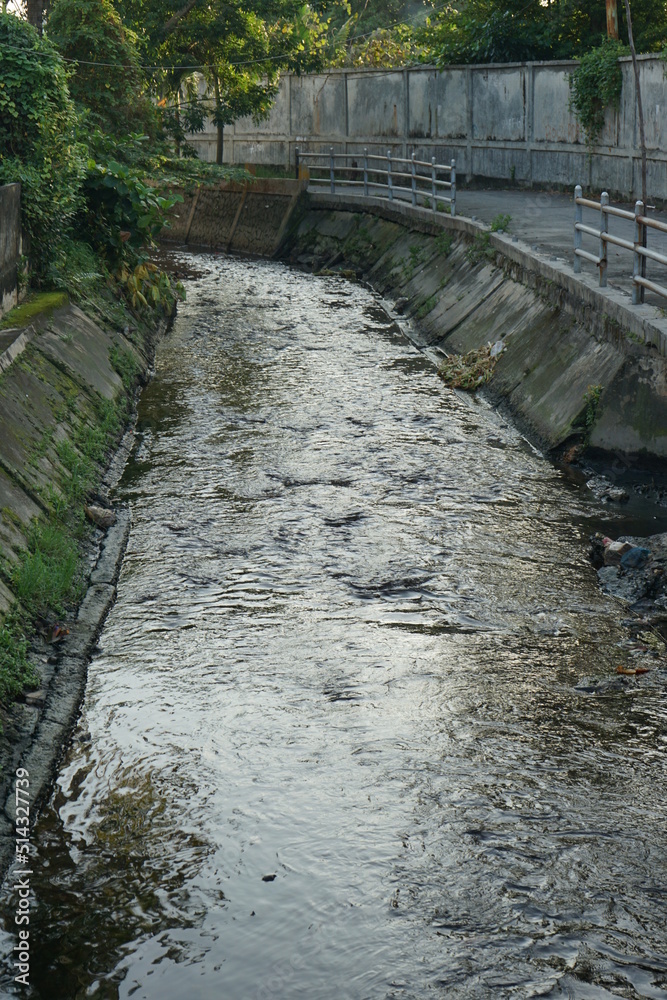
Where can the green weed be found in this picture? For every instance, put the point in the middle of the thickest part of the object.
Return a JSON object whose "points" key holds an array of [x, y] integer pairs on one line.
{"points": [[501, 223]]}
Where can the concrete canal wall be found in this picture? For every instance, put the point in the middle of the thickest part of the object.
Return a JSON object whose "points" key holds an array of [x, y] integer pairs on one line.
{"points": [[245, 218], [508, 122], [463, 287], [64, 400]]}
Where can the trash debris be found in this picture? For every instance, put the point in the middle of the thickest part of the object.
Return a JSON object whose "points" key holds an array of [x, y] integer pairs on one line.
{"points": [[470, 371], [631, 671], [606, 491], [614, 551], [635, 557]]}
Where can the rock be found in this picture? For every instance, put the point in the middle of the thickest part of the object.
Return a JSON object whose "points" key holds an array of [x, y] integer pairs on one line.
{"points": [[268, 878], [400, 304], [35, 698], [100, 517], [605, 491]]}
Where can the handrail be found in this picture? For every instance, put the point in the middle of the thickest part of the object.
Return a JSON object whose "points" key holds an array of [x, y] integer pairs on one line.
{"points": [[641, 253], [350, 173]]}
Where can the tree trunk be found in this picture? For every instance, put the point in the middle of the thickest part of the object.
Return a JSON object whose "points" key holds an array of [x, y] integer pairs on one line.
{"points": [[177, 114], [219, 126], [642, 135], [35, 12]]}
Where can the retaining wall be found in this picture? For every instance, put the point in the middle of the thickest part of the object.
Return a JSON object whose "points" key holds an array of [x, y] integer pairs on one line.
{"points": [[247, 218], [508, 122], [561, 334], [10, 244]]}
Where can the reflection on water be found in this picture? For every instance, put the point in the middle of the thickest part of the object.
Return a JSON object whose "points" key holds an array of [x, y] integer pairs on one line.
{"points": [[349, 624]]}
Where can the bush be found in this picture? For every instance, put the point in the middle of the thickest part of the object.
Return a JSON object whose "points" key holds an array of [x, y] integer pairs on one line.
{"points": [[123, 214], [595, 85], [38, 136]]}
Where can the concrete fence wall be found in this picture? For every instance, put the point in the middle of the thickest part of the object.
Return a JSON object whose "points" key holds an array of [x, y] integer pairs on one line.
{"points": [[507, 122], [10, 244]]}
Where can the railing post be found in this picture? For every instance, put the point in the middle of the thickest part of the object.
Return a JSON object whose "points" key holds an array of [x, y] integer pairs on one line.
{"points": [[604, 228], [637, 290], [365, 173], [390, 189], [452, 206], [577, 233], [414, 180], [331, 170], [296, 161], [433, 187]]}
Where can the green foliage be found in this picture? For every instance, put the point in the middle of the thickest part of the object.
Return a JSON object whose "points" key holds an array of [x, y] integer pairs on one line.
{"points": [[39, 144], [596, 85], [501, 223], [480, 249], [591, 403], [125, 364], [123, 214], [75, 268], [426, 307], [444, 243], [416, 255], [383, 49], [47, 576], [482, 31], [16, 672], [91, 31]]}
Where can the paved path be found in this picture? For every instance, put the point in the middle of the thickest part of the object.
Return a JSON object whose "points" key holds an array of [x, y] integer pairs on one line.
{"points": [[545, 221]]}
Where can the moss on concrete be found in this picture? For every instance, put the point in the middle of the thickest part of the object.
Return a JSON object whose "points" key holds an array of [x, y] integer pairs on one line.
{"points": [[36, 304], [63, 406]]}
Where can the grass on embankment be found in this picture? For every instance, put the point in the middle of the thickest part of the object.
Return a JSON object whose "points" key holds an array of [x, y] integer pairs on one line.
{"points": [[48, 578]]}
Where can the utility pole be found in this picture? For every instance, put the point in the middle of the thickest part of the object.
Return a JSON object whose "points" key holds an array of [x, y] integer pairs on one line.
{"points": [[612, 19]]}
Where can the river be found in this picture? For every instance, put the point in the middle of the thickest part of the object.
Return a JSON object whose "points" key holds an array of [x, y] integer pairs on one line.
{"points": [[331, 745]]}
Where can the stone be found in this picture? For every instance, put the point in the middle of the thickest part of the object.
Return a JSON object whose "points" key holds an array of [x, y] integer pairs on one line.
{"points": [[100, 516], [35, 698]]}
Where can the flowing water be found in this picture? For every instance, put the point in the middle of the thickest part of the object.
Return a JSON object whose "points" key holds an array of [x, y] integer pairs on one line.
{"points": [[331, 745]]}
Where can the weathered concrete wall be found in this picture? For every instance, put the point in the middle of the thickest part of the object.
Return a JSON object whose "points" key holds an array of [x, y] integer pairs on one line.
{"points": [[560, 337], [247, 218], [501, 122], [10, 244]]}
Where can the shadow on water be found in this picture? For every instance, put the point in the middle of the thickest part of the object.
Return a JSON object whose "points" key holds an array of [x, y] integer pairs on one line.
{"points": [[332, 744]]}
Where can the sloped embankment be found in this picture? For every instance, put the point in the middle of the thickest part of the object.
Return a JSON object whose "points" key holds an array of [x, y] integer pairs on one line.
{"points": [[568, 373], [66, 394]]}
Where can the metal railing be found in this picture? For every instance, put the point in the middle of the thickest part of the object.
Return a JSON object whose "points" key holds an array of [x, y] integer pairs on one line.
{"points": [[638, 247], [387, 176]]}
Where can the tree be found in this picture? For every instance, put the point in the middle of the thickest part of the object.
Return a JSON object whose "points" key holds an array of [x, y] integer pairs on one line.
{"points": [[90, 32], [237, 48], [481, 31], [38, 135]]}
